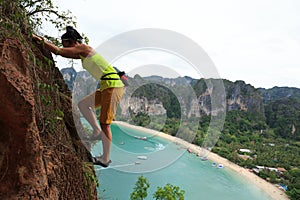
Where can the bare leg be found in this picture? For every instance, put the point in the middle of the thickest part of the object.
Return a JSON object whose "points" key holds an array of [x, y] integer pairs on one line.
{"points": [[85, 108], [106, 142], [110, 100]]}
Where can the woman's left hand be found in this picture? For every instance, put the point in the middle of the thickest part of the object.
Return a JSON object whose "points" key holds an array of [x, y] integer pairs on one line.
{"points": [[37, 38]]}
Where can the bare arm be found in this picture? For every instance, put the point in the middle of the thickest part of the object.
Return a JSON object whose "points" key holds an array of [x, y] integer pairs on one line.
{"points": [[70, 52]]}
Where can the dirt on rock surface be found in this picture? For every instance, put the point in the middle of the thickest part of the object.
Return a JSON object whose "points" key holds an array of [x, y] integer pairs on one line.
{"points": [[41, 154]]}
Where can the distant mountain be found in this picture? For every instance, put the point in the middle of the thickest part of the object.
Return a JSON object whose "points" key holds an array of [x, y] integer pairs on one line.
{"points": [[232, 88], [172, 81], [276, 93], [155, 95]]}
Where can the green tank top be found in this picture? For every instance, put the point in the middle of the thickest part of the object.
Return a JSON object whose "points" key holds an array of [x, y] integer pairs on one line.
{"points": [[97, 66]]}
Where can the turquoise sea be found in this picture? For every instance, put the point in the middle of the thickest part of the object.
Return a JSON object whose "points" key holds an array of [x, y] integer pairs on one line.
{"points": [[165, 162]]}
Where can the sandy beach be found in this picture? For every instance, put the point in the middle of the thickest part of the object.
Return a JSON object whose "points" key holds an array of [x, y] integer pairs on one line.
{"points": [[273, 191]]}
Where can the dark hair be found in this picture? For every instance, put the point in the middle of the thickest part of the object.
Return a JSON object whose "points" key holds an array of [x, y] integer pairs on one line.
{"points": [[71, 34]]}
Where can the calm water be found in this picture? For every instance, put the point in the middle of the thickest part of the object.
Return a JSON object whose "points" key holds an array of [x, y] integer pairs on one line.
{"points": [[166, 163]]}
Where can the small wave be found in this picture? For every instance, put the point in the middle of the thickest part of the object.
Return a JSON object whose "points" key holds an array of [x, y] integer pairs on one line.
{"points": [[159, 147], [149, 148]]}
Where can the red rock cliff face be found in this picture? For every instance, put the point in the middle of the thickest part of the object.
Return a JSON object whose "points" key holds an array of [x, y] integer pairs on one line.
{"points": [[41, 155]]}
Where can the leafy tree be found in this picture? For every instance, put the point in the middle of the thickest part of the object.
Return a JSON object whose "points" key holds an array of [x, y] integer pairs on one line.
{"points": [[295, 173], [294, 194], [273, 176], [169, 192], [140, 189], [27, 16], [40, 11], [263, 174]]}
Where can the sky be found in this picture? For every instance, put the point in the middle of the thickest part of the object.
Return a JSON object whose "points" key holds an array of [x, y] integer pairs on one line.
{"points": [[256, 41]]}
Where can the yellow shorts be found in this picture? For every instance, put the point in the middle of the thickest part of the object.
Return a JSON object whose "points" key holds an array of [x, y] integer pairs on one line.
{"points": [[108, 99]]}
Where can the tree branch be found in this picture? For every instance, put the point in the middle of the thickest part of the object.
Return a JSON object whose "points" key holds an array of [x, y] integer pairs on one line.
{"points": [[45, 10]]}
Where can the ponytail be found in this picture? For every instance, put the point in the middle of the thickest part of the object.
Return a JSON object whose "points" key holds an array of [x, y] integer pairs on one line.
{"points": [[71, 34]]}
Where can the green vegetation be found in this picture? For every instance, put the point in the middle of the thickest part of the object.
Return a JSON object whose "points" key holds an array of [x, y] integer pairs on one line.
{"points": [[26, 16], [90, 179], [294, 187], [140, 189], [283, 117], [268, 147], [168, 192], [141, 119]]}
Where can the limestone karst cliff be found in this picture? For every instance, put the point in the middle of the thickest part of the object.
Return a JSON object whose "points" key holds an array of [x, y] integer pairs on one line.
{"points": [[239, 95]]}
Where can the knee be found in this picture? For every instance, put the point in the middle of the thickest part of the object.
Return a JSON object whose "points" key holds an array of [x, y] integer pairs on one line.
{"points": [[81, 105], [105, 127]]}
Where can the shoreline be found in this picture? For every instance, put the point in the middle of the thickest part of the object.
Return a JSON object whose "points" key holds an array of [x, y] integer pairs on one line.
{"points": [[273, 191]]}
